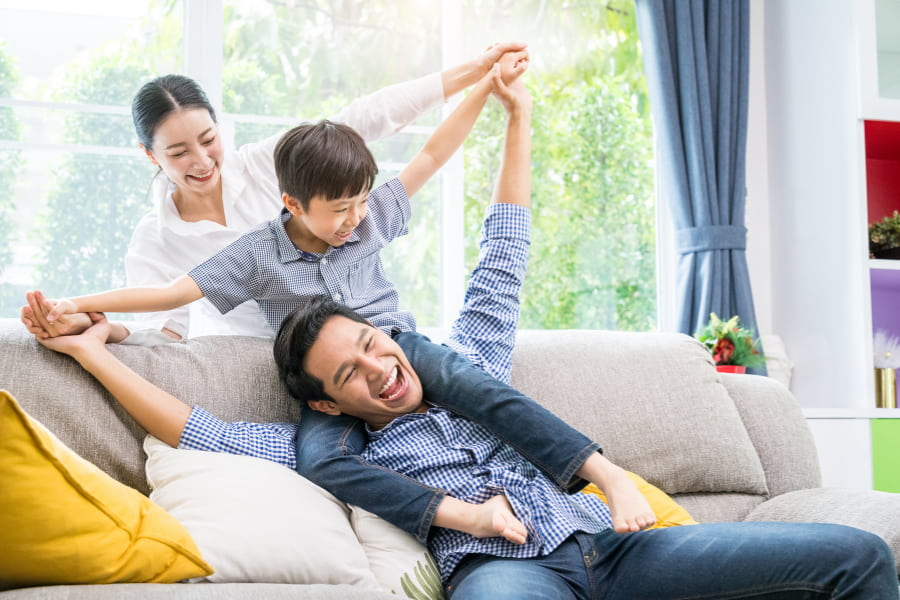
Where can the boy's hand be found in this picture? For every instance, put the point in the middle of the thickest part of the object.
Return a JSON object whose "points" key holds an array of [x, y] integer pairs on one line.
{"points": [[514, 96], [496, 518], [34, 317], [95, 335]]}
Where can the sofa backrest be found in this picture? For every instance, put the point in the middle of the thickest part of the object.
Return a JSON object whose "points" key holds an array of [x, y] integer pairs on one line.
{"points": [[654, 401]]}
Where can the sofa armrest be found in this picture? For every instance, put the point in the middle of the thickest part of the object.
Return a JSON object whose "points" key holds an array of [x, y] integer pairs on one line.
{"points": [[875, 512], [778, 430]]}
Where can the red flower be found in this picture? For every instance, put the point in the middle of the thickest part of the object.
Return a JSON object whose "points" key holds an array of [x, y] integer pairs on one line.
{"points": [[723, 351]]}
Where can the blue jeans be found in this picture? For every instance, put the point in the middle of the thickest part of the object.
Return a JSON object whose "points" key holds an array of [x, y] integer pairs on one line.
{"points": [[328, 447], [758, 560]]}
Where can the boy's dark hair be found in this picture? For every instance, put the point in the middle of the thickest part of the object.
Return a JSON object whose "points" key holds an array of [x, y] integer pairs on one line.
{"points": [[324, 158], [161, 96], [298, 332]]}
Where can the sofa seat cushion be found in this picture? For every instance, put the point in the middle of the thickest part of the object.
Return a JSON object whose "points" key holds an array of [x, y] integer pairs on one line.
{"points": [[872, 511], [63, 520], [657, 406]]}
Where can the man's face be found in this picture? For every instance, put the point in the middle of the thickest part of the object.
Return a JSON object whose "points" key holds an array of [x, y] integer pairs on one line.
{"points": [[365, 373]]}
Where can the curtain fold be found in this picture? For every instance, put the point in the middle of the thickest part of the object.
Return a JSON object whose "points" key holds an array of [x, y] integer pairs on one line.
{"points": [[696, 58]]}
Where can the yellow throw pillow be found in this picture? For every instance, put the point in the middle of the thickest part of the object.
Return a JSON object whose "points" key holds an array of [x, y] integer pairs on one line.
{"points": [[64, 521], [668, 512]]}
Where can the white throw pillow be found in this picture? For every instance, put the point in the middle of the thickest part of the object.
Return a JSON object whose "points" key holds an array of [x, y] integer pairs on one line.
{"points": [[401, 564], [256, 521]]}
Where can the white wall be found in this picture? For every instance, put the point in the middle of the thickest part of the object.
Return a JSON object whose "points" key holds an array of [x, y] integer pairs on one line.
{"points": [[806, 246]]}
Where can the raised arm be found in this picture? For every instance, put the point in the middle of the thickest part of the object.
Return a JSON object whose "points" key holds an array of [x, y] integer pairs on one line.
{"points": [[451, 133], [142, 299], [386, 111]]}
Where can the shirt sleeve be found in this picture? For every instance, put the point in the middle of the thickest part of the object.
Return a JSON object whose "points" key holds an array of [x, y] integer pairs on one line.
{"points": [[269, 441], [230, 276], [485, 330], [390, 210], [387, 111], [144, 267]]}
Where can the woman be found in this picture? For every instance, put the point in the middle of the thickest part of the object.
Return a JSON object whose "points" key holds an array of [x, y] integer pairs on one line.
{"points": [[205, 196]]}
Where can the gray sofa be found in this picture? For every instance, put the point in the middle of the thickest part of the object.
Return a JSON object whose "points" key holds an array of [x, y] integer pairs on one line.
{"points": [[726, 447]]}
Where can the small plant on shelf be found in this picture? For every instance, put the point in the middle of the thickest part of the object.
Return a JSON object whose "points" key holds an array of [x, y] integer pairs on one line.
{"points": [[731, 344], [884, 237]]}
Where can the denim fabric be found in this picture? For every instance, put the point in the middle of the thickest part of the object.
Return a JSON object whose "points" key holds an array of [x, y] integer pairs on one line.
{"points": [[759, 560], [328, 447]]}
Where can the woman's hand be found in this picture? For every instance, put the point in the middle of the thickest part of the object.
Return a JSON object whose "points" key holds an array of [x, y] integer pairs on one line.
{"points": [[34, 317]]}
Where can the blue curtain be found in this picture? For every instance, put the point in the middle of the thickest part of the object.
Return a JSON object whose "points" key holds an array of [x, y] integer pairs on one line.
{"points": [[696, 58]]}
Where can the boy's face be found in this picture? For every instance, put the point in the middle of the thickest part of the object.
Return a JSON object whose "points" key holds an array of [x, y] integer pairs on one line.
{"points": [[329, 221], [366, 374]]}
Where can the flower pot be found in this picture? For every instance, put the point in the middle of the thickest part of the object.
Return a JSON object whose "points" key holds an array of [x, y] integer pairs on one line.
{"points": [[890, 253], [731, 369]]}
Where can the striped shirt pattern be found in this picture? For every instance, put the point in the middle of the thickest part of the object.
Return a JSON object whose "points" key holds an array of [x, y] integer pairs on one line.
{"points": [[264, 265], [455, 454], [484, 333]]}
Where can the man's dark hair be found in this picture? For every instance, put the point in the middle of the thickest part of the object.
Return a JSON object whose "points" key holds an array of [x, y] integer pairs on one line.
{"points": [[298, 332], [324, 158]]}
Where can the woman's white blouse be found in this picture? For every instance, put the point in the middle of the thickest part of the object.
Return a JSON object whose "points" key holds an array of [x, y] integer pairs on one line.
{"points": [[164, 247]]}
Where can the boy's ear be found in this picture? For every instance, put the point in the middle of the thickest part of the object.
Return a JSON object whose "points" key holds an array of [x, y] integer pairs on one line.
{"points": [[292, 204], [326, 406]]}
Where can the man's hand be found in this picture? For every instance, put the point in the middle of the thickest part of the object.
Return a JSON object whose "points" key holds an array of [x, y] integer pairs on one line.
{"points": [[34, 317], [513, 96], [496, 518], [496, 50]]}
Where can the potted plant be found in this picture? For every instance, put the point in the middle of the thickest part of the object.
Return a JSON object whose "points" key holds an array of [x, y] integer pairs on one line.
{"points": [[733, 348], [884, 237]]}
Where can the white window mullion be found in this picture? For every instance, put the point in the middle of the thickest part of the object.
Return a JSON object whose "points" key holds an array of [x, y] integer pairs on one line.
{"points": [[203, 48], [452, 281]]}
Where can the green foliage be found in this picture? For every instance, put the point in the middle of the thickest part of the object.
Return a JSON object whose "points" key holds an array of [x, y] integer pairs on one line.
{"points": [[593, 246], [427, 584], [731, 344], [10, 162], [885, 234], [96, 199]]}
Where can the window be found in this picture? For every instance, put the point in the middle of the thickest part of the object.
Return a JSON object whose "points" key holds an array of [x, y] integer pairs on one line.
{"points": [[73, 184]]}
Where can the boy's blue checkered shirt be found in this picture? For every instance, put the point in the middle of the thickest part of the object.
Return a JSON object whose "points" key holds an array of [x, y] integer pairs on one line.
{"points": [[265, 265], [484, 333], [449, 452]]}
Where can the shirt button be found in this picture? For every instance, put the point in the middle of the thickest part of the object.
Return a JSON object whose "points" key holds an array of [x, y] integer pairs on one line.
{"points": [[324, 261], [337, 297]]}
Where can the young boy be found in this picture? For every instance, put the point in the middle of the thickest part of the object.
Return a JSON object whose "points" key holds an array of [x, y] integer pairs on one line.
{"points": [[322, 243]]}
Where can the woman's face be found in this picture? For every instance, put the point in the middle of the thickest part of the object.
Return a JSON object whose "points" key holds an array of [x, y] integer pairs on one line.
{"points": [[188, 148]]}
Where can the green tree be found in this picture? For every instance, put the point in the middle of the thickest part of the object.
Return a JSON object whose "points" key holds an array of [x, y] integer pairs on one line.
{"points": [[10, 163], [97, 199], [593, 247]]}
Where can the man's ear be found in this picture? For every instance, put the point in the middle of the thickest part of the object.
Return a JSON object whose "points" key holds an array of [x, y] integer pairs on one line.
{"points": [[292, 204], [149, 154], [326, 406]]}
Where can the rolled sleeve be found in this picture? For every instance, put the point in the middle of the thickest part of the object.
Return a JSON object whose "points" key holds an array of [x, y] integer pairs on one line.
{"points": [[269, 441]]}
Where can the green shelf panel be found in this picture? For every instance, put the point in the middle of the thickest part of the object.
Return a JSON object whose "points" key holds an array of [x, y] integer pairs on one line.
{"points": [[886, 454]]}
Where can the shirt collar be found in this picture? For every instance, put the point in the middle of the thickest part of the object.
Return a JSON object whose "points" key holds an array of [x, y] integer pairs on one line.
{"points": [[289, 252]]}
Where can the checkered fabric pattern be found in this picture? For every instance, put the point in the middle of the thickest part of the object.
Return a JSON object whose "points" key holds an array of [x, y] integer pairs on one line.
{"points": [[455, 454], [264, 265]]}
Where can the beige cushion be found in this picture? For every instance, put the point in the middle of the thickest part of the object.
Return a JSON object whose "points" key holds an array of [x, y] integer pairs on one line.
{"points": [[255, 520], [657, 405]]}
